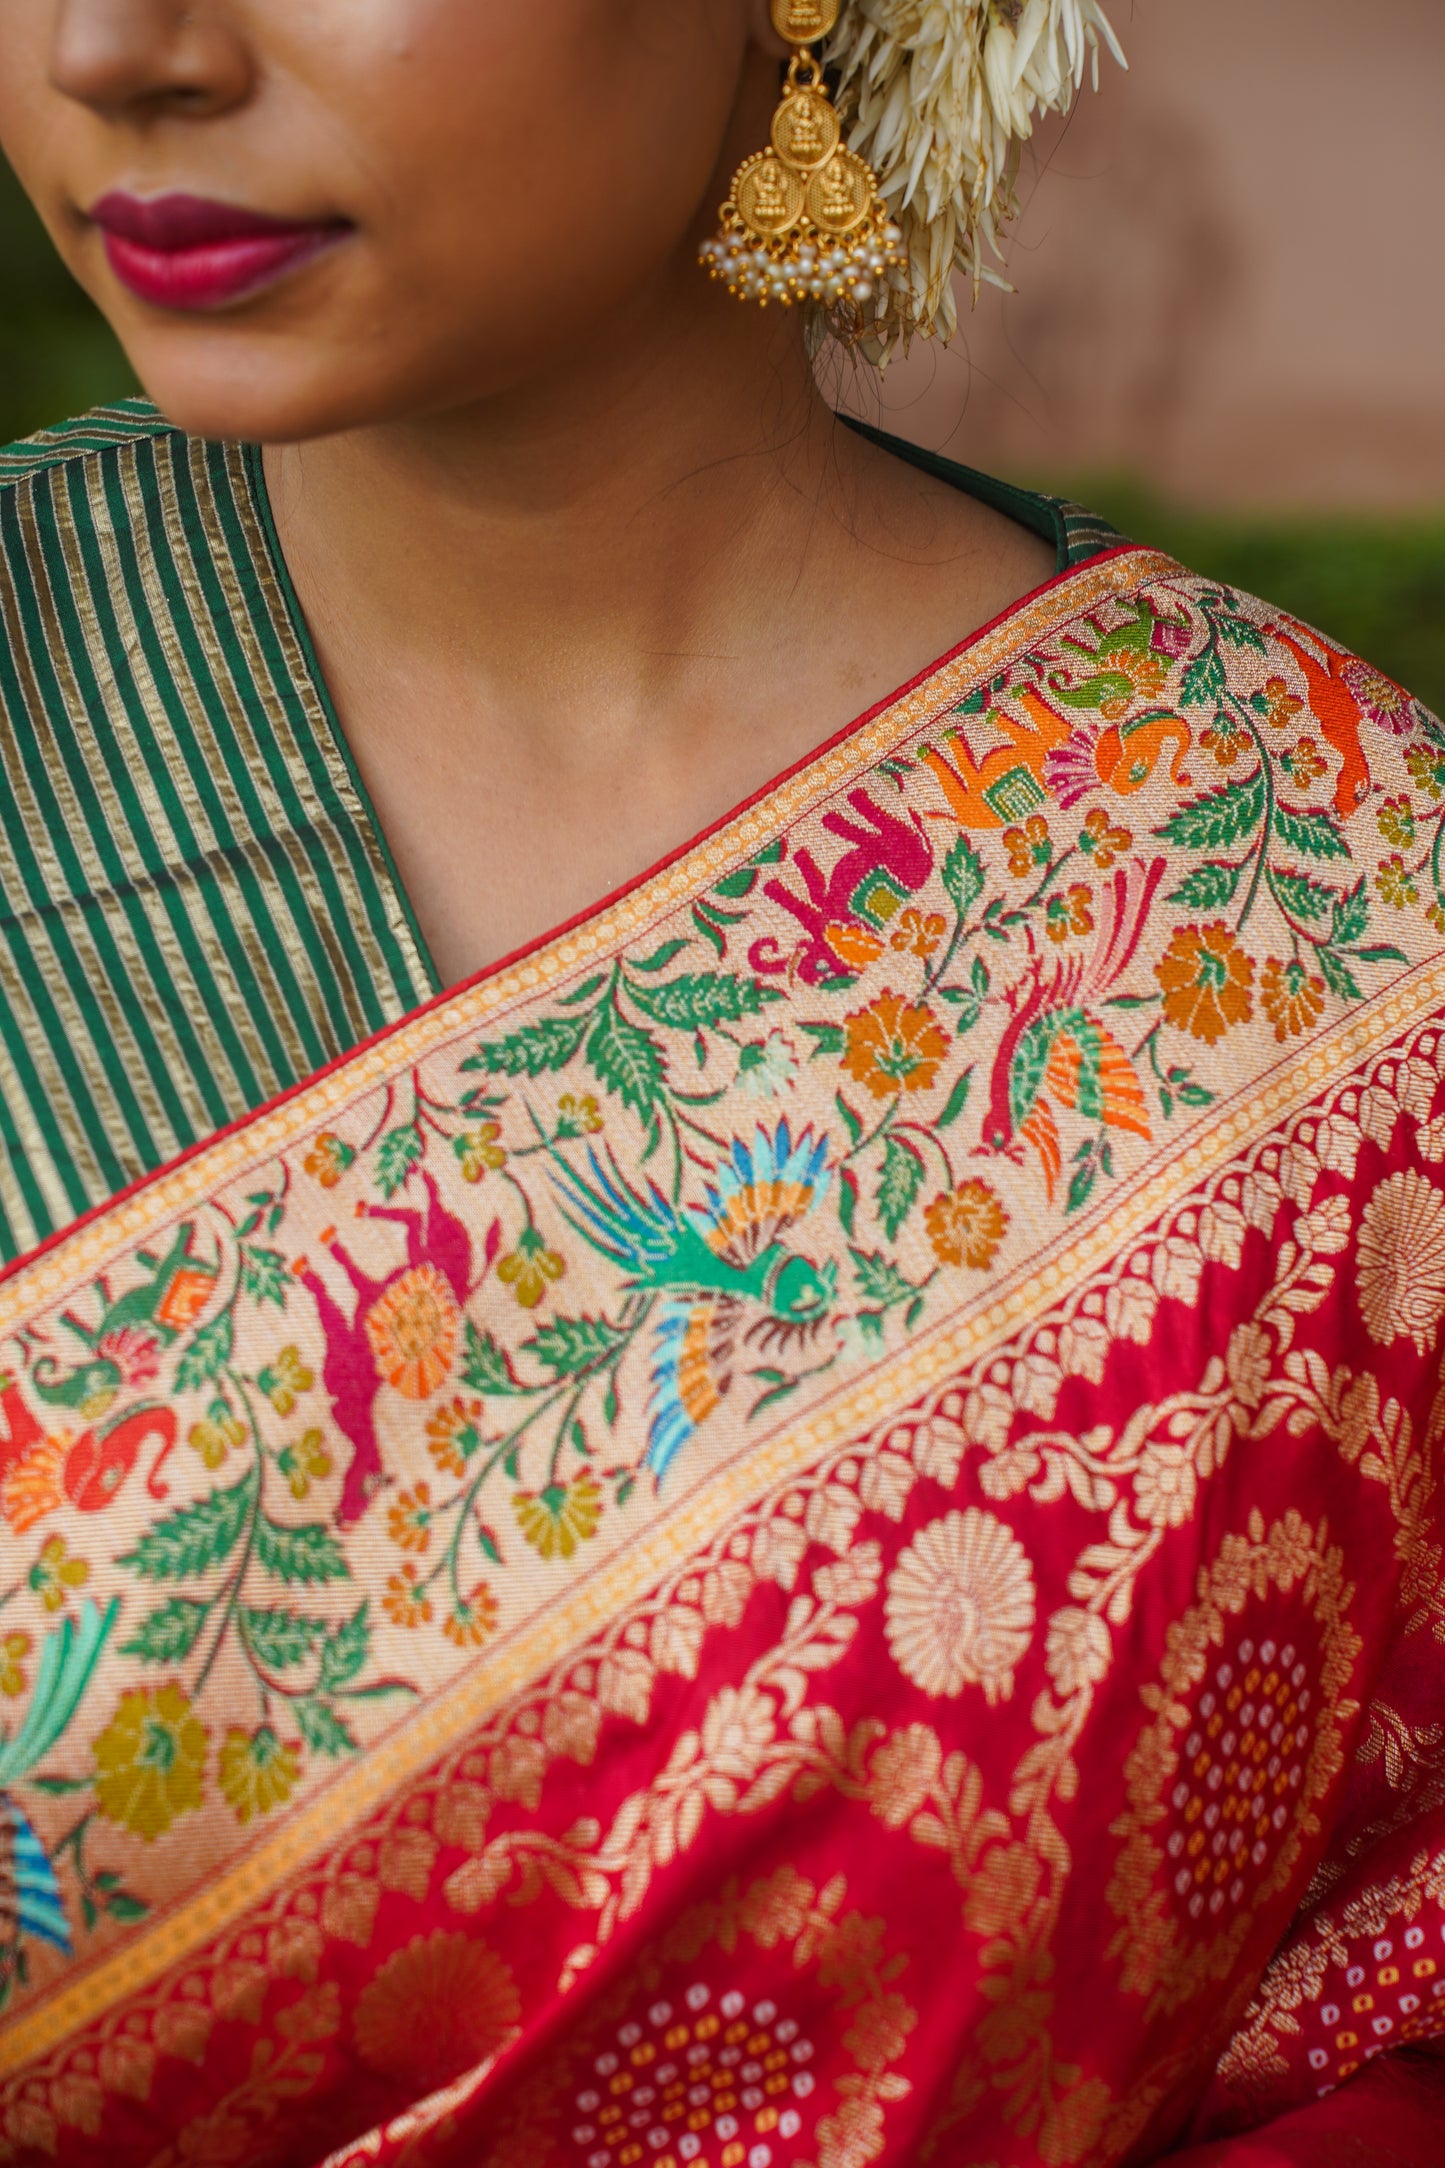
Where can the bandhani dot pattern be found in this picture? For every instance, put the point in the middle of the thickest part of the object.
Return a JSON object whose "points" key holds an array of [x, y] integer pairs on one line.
{"points": [[1392, 1994], [1243, 1763], [701, 2084]]}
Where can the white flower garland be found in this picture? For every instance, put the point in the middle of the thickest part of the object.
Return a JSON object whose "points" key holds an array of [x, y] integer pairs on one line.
{"points": [[939, 97]]}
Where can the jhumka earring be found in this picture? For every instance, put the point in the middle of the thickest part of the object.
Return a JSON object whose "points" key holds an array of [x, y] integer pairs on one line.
{"points": [[804, 220]]}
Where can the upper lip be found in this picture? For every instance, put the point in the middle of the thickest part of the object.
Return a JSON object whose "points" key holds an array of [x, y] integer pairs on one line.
{"points": [[169, 223]]}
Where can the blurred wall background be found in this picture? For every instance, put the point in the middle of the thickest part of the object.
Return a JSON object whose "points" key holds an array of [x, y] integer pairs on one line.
{"points": [[1228, 329]]}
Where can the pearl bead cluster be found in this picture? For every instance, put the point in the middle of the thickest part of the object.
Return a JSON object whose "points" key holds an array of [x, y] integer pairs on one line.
{"points": [[804, 265]]}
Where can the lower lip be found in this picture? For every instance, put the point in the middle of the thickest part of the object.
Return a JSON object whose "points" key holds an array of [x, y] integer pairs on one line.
{"points": [[196, 279]]}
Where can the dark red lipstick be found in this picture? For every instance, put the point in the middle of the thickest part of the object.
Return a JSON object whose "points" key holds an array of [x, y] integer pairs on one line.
{"points": [[184, 252]]}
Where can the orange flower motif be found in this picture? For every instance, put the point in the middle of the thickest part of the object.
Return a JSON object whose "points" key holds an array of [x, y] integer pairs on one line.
{"points": [[328, 1159], [1396, 819], [528, 1268], [404, 1602], [1395, 882], [966, 1225], [412, 1329], [854, 946], [1225, 740], [1292, 998], [54, 1575], [14, 1648], [479, 1152], [1069, 914], [1103, 842], [1304, 763], [453, 1435], [894, 1047], [555, 1520], [409, 1520], [1028, 846], [470, 1624], [1206, 977], [1277, 704], [917, 935]]}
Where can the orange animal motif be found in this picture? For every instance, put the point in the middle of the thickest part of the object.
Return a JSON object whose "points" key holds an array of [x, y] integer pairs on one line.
{"points": [[1127, 754], [1008, 783], [1337, 712]]}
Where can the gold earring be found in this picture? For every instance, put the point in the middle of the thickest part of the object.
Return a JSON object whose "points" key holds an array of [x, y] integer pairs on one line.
{"points": [[804, 220]]}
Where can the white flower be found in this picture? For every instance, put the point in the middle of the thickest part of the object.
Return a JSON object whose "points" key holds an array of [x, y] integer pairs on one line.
{"points": [[960, 1606], [767, 1066]]}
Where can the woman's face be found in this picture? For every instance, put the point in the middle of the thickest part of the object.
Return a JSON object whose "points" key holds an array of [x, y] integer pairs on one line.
{"points": [[469, 191]]}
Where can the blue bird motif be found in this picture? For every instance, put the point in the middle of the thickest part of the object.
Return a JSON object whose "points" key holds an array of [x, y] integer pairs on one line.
{"points": [[30, 1900], [718, 1272]]}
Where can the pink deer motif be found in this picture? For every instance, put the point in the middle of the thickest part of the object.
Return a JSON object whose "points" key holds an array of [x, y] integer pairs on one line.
{"points": [[402, 1331], [889, 859]]}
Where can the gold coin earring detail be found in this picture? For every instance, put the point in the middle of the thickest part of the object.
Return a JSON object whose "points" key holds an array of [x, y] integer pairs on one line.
{"points": [[804, 220]]}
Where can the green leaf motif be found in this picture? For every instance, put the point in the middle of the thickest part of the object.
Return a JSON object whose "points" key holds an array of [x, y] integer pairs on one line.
{"points": [[1207, 887], [1314, 834], [344, 1653], [265, 1277], [398, 1152], [485, 1366], [702, 999], [1219, 818], [826, 1038], [1352, 914], [1303, 898], [570, 1345], [1205, 682], [320, 1726], [207, 1355], [957, 1100], [1084, 1177], [625, 1061], [963, 876], [733, 886], [169, 1633], [879, 1279], [535, 1050], [1338, 976], [850, 1120], [847, 1199], [279, 1639], [898, 1186], [1238, 631], [306, 1554], [660, 958], [196, 1538]]}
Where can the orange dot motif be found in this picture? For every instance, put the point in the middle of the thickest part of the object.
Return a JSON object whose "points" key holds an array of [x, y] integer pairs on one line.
{"points": [[697, 2084], [1394, 1993], [1240, 1772]]}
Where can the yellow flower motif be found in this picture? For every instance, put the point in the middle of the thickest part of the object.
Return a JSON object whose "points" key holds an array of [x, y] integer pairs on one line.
{"points": [[1102, 842], [479, 1151], [1395, 883], [328, 1159], [1427, 769], [917, 934], [14, 1648], [258, 1771], [555, 1520], [893, 1047], [150, 1761], [1206, 977], [578, 1117], [966, 1225], [1069, 913], [53, 1575], [284, 1381], [304, 1463], [1436, 913], [453, 1435], [528, 1268], [1397, 821], [1292, 996], [404, 1602], [409, 1520], [1028, 847], [215, 1434], [471, 1622]]}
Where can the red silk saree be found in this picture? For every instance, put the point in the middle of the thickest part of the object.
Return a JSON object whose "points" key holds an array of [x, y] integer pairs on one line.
{"points": [[803, 1526]]}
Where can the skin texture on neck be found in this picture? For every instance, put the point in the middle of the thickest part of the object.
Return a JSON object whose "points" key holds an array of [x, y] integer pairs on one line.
{"points": [[586, 557]]}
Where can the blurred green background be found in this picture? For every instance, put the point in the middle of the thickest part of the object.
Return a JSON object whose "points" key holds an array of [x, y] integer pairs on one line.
{"points": [[1375, 585]]}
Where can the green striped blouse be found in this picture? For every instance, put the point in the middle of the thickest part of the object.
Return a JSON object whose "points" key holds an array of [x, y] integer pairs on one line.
{"points": [[197, 904]]}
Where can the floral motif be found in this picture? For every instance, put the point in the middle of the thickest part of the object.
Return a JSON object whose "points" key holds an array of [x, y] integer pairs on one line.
{"points": [[478, 1152], [412, 1329], [1077, 1651], [894, 1046], [1395, 882], [1102, 841], [530, 1267], [15, 1646], [1396, 820], [1277, 704], [328, 1159], [918, 933], [405, 1602], [1304, 763], [1401, 1269], [1426, 764], [1225, 739], [960, 1606], [1069, 913], [409, 1520], [453, 1434], [286, 1380], [1028, 847], [304, 1463], [257, 1771], [555, 1520], [1293, 997], [473, 1619], [767, 1066], [967, 1224], [55, 1575], [578, 1115], [441, 2006], [1385, 703], [150, 1761], [214, 1436], [1206, 977]]}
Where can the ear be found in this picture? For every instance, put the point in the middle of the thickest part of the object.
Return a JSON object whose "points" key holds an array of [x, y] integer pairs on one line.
{"points": [[762, 32]]}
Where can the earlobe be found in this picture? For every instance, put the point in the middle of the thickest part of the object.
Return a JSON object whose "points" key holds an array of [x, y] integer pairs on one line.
{"points": [[763, 31]]}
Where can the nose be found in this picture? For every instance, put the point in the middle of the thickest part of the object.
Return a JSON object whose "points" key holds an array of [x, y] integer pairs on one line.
{"points": [[146, 57]]}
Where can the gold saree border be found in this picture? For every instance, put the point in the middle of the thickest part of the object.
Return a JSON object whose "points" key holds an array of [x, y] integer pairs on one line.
{"points": [[919, 1367]]}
